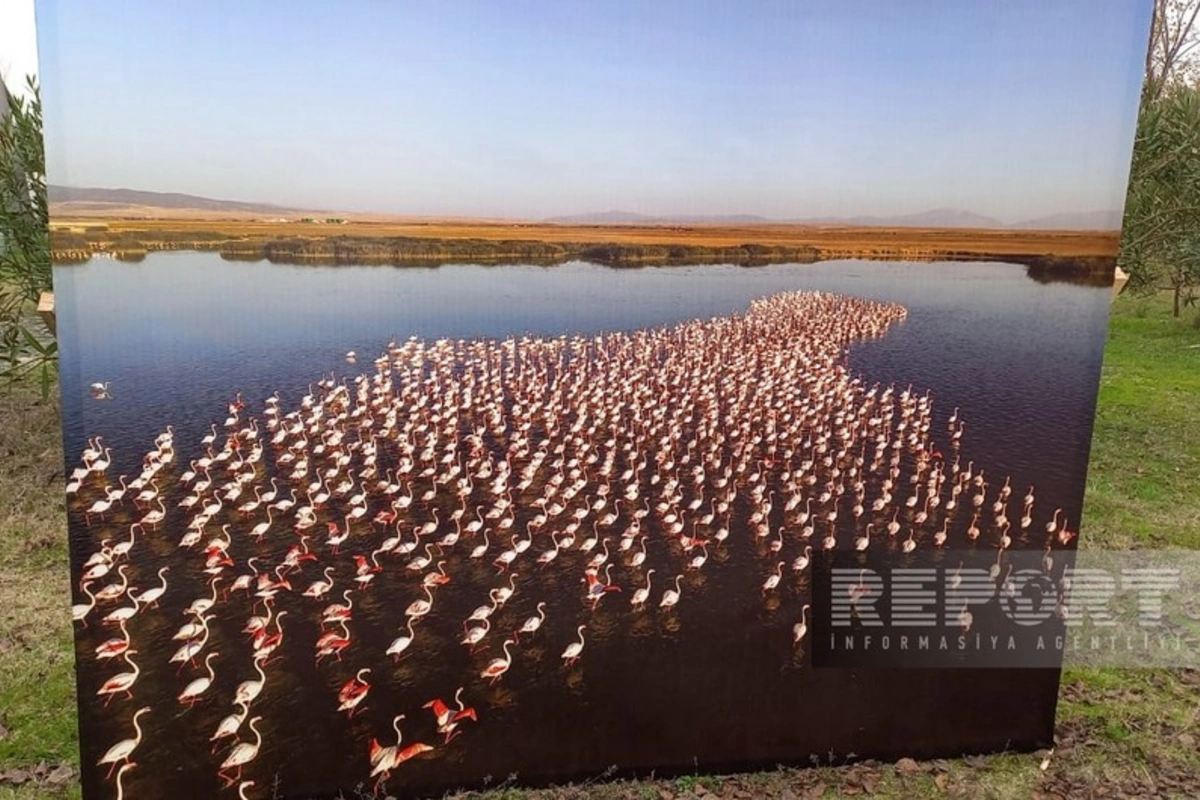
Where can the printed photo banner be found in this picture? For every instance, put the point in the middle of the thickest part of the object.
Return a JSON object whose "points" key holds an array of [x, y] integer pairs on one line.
{"points": [[511, 393]]}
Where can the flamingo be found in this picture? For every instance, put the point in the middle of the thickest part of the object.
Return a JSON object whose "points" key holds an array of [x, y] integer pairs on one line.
{"points": [[864, 541], [474, 635], [438, 578], [230, 724], [243, 753], [101, 463], [803, 560], [939, 538], [191, 693], [600, 559], [154, 517], [152, 595], [97, 570], [247, 691], [115, 646], [450, 726], [124, 613], [264, 643], [421, 562], [260, 530], [419, 608], [203, 604], [98, 508], [80, 611], [123, 750], [533, 623], [965, 619], [333, 643], [193, 647], [387, 759], [337, 535], [245, 581], [483, 612], [639, 557], [505, 592], [335, 611], [380, 754], [122, 682], [128, 765], [121, 549], [1065, 535], [574, 649], [481, 549], [772, 580], [318, 589], [548, 556], [597, 588], [442, 713], [498, 666], [353, 692], [401, 643], [640, 596], [670, 597], [189, 630], [800, 628]]}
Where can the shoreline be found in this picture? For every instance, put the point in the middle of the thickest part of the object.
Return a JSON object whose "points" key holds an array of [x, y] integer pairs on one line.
{"points": [[1053, 255]]}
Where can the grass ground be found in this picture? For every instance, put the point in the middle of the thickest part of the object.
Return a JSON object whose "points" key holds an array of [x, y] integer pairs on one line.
{"points": [[1121, 733], [835, 238]]}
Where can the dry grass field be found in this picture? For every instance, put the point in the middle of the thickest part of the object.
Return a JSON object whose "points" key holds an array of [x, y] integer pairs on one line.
{"points": [[832, 241]]}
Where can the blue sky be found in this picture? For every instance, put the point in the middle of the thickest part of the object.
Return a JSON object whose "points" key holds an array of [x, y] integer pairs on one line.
{"points": [[794, 109]]}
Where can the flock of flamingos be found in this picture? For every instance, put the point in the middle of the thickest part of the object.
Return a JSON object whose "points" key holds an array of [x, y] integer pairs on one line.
{"points": [[624, 459]]}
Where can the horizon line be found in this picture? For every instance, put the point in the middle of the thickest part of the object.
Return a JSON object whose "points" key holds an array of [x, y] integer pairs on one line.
{"points": [[581, 218]]}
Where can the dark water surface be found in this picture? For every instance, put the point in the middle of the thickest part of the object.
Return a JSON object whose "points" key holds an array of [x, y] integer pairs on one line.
{"points": [[716, 684]]}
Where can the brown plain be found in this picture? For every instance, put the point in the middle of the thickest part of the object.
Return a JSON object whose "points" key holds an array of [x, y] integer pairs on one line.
{"points": [[829, 239]]}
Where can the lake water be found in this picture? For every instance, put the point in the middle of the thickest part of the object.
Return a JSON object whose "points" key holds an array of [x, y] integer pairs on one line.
{"points": [[718, 686]]}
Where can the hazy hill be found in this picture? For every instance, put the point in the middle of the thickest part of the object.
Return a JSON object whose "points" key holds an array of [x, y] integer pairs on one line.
{"points": [[133, 202], [937, 218], [631, 218], [1109, 220], [96, 199], [934, 218]]}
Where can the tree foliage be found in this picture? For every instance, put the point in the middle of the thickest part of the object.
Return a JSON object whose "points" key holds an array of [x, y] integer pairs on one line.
{"points": [[25, 272], [1160, 246], [1172, 58]]}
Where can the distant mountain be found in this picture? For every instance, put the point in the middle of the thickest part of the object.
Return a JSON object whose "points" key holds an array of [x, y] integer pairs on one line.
{"points": [[934, 218], [95, 200], [1109, 220], [98, 198], [937, 218], [631, 218]]}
